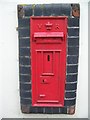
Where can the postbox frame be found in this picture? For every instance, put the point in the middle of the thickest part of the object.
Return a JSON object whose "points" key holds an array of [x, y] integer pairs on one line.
{"points": [[61, 103]]}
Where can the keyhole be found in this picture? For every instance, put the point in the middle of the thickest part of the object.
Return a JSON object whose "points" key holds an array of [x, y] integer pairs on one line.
{"points": [[43, 81], [48, 57]]}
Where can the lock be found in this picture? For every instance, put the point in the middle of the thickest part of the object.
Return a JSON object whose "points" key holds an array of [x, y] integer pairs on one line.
{"points": [[44, 81]]}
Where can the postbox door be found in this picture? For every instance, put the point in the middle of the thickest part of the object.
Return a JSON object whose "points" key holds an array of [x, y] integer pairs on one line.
{"points": [[48, 61]]}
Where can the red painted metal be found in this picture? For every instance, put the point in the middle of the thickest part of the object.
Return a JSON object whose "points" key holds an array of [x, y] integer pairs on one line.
{"points": [[48, 60]]}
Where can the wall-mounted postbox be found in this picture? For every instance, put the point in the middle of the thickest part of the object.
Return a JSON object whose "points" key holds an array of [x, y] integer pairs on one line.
{"points": [[48, 60], [48, 57]]}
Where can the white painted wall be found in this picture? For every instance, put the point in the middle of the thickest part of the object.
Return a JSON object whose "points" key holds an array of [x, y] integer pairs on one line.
{"points": [[9, 72]]}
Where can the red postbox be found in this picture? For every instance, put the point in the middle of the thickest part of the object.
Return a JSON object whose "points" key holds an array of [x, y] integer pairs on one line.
{"points": [[48, 37]]}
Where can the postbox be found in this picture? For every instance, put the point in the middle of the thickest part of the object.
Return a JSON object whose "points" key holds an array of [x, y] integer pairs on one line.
{"points": [[48, 38]]}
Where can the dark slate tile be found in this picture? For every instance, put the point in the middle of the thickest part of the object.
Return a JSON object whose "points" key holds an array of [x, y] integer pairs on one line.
{"points": [[72, 69], [24, 51], [61, 9], [25, 87], [73, 22], [24, 42], [33, 109], [70, 94], [66, 9], [48, 110], [70, 102], [71, 78], [56, 9], [73, 51], [63, 110], [38, 10], [24, 70], [73, 32], [24, 61], [39, 109], [25, 94], [25, 78], [72, 59], [28, 10], [55, 110], [71, 86], [25, 101], [47, 9], [73, 42], [24, 32], [23, 22]]}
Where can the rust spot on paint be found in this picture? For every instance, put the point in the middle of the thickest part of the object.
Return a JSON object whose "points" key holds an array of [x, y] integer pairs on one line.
{"points": [[21, 13], [25, 109], [75, 10], [71, 110]]}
